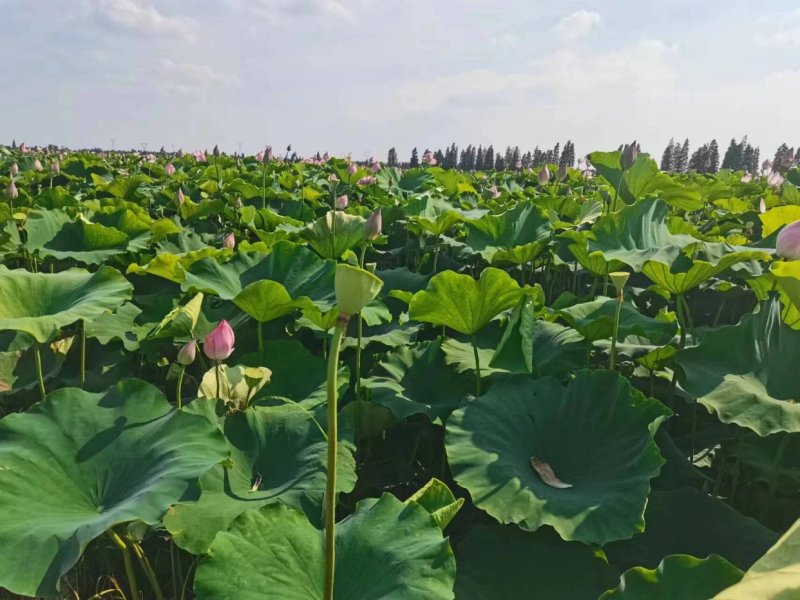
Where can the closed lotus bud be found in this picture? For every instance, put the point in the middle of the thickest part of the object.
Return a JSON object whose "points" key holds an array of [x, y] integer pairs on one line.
{"points": [[11, 191], [238, 203], [368, 180], [200, 156], [268, 154], [14, 169], [179, 197], [187, 353], [55, 168], [619, 279], [215, 151], [218, 345], [376, 167], [260, 156], [351, 169], [333, 177], [788, 243], [229, 241], [374, 224], [544, 175], [355, 288], [22, 148], [37, 165], [775, 180], [629, 156], [169, 169], [342, 202], [562, 173], [762, 206]]}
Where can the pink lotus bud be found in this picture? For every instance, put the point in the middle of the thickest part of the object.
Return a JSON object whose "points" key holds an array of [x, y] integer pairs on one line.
{"points": [[788, 243], [179, 197], [376, 167], [561, 174], [14, 169], [374, 224], [629, 156], [519, 165], [775, 180], [11, 191], [229, 241], [326, 157], [200, 156], [351, 169], [544, 175], [169, 169], [333, 177], [495, 192], [55, 168], [268, 154], [342, 202], [260, 156], [762, 206], [37, 165], [187, 353], [746, 178], [215, 151], [428, 158], [218, 345], [368, 180]]}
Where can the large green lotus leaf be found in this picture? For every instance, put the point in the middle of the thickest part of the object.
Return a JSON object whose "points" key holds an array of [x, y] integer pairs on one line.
{"points": [[438, 500], [336, 233], [266, 300], [417, 380], [595, 438], [684, 274], [173, 266], [774, 576], [503, 561], [687, 521], [787, 277], [432, 215], [17, 364], [461, 303], [42, 303], [181, 320], [595, 321], [594, 262], [516, 236], [237, 385], [756, 456], [80, 463], [636, 234], [295, 267], [386, 549], [119, 325], [745, 373], [277, 454], [775, 218], [678, 576]]}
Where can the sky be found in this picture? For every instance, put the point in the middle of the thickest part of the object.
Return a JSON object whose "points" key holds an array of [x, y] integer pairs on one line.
{"points": [[361, 76]]}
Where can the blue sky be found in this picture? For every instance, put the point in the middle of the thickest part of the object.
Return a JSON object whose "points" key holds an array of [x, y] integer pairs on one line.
{"points": [[362, 75]]}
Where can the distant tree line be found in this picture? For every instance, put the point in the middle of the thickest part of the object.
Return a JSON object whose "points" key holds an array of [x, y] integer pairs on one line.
{"points": [[740, 156]]}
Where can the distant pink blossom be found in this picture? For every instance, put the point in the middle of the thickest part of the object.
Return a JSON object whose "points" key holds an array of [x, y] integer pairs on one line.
{"points": [[368, 180], [169, 169], [342, 202], [229, 241], [200, 156], [787, 244]]}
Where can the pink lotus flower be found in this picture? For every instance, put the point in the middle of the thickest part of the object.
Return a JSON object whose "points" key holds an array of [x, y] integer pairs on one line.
{"points": [[788, 242], [200, 156], [368, 180], [218, 345], [37, 165], [775, 180], [351, 169], [169, 169], [544, 175], [55, 167], [495, 191], [23, 149], [428, 158], [376, 167], [179, 197], [14, 169], [12, 191], [342, 202], [229, 241], [374, 224], [187, 353]]}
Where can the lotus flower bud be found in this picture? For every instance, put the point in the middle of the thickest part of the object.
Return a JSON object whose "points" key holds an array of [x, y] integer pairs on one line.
{"points": [[37, 165], [333, 177], [169, 169], [619, 279], [179, 197], [368, 180], [229, 241], [187, 353], [342, 202], [14, 169], [218, 345], [355, 288], [260, 156], [55, 167], [200, 156], [544, 175], [629, 156], [376, 167], [495, 191], [762, 206], [775, 180], [428, 158], [11, 191], [788, 243], [180, 153], [238, 203], [22, 148], [351, 169], [374, 224], [215, 151], [561, 174], [268, 154]]}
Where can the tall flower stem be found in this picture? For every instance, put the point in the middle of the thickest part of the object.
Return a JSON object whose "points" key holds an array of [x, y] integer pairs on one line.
{"points": [[126, 559], [37, 356], [178, 396], [83, 353], [333, 439], [477, 368], [217, 369], [147, 568], [360, 333], [612, 360]]}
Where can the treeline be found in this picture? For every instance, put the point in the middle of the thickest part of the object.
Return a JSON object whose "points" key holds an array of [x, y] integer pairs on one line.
{"points": [[478, 158]]}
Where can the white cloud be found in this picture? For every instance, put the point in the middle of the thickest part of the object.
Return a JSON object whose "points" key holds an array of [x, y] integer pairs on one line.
{"points": [[578, 24], [780, 30], [137, 16], [342, 9], [168, 78]]}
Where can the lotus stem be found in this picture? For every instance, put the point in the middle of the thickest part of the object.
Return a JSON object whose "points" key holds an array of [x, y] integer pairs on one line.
{"points": [[260, 334], [612, 359], [147, 568], [217, 370], [333, 439], [37, 356], [773, 474], [126, 559], [264, 188], [477, 368], [178, 395], [83, 353]]}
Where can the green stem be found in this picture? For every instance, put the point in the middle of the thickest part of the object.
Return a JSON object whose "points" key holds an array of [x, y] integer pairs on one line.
{"points": [[83, 353], [477, 368], [679, 308], [148, 569], [37, 356], [435, 258], [178, 398], [612, 360], [126, 559], [217, 370], [616, 194], [264, 187], [333, 438], [773, 474], [260, 337]]}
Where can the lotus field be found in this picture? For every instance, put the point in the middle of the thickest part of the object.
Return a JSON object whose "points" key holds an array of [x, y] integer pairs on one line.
{"points": [[232, 377]]}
